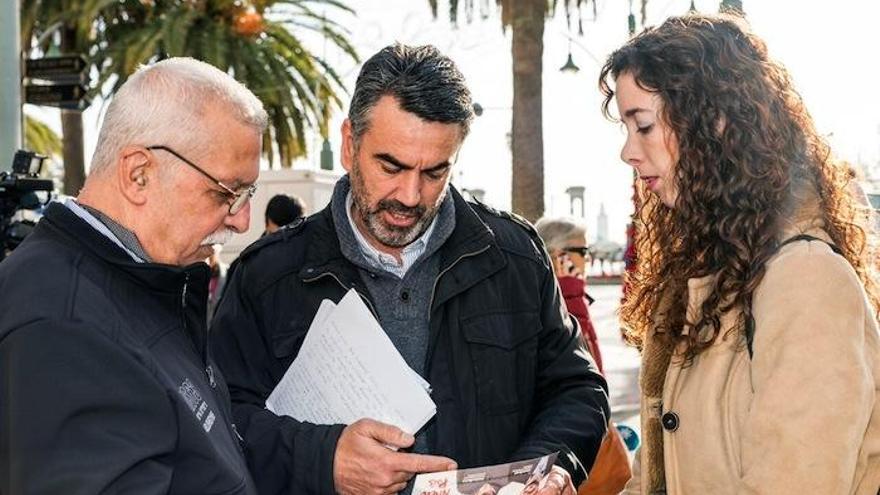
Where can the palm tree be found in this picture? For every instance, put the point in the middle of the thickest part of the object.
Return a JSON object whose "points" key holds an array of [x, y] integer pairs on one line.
{"points": [[526, 21], [257, 42], [40, 138]]}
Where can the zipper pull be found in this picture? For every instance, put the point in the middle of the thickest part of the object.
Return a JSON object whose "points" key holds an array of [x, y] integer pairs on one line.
{"points": [[183, 292], [237, 435], [210, 372]]}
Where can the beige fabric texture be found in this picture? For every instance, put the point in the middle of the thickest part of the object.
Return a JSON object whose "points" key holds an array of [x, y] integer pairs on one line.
{"points": [[801, 416]]}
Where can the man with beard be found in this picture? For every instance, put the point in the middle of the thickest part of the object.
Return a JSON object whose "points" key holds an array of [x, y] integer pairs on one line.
{"points": [[465, 293], [108, 385]]}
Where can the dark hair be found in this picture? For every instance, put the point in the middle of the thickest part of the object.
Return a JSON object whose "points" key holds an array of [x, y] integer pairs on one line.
{"points": [[749, 159], [422, 80], [283, 209]]}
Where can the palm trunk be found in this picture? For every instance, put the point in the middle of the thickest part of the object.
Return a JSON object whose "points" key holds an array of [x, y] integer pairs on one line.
{"points": [[72, 151], [72, 130], [527, 23]]}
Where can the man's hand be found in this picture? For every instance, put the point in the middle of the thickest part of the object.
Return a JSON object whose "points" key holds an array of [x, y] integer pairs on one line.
{"points": [[364, 463], [556, 482]]}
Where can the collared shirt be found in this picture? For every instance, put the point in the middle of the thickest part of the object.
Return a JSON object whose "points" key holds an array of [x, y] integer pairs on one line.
{"points": [[81, 212], [384, 261]]}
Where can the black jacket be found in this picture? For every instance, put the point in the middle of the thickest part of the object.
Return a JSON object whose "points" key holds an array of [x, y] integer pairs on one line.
{"points": [[105, 381], [510, 376]]}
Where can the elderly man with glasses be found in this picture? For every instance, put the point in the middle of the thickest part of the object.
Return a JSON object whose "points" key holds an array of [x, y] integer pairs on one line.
{"points": [[108, 385]]}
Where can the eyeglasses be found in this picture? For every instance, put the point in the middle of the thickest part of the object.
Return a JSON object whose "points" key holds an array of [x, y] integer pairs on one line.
{"points": [[239, 198], [581, 250]]}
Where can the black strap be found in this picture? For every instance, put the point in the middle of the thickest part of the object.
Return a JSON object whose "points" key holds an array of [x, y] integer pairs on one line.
{"points": [[750, 321]]}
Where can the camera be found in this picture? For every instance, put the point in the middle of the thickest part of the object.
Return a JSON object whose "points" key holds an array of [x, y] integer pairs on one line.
{"points": [[19, 193]]}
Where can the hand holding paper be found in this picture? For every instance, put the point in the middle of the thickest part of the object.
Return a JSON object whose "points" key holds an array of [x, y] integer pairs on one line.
{"points": [[364, 463]]}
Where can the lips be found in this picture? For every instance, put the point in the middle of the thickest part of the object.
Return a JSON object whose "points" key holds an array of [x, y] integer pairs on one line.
{"points": [[399, 220], [650, 181]]}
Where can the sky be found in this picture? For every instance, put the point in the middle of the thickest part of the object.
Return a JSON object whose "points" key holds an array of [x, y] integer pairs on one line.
{"points": [[828, 47]]}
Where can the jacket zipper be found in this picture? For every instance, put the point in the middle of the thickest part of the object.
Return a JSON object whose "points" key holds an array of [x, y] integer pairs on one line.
{"points": [[346, 288], [183, 294], [209, 370], [429, 352], [437, 280]]}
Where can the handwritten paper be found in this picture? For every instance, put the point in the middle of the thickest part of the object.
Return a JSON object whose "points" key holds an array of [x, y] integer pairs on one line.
{"points": [[348, 369]]}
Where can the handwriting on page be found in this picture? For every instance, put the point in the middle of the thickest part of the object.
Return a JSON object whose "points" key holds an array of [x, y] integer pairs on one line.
{"points": [[348, 369]]}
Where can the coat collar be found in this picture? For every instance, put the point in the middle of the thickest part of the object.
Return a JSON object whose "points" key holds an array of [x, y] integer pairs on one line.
{"points": [[323, 254], [156, 276]]}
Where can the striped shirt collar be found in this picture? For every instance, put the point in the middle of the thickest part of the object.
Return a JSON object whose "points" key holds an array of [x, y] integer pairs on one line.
{"points": [[81, 212]]}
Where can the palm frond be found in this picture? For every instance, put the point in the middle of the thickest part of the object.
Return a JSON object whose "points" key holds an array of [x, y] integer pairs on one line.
{"points": [[40, 137]]}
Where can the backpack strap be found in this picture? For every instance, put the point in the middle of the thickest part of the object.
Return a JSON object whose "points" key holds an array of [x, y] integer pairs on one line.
{"points": [[750, 321]]}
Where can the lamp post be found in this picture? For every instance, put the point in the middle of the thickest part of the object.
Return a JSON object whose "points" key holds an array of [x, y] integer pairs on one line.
{"points": [[10, 81], [326, 156]]}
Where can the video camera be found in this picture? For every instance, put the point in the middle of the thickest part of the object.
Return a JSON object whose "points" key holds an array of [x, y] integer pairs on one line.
{"points": [[18, 192]]}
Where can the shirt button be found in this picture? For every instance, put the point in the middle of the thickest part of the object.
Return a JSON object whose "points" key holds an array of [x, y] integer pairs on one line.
{"points": [[404, 296], [670, 421]]}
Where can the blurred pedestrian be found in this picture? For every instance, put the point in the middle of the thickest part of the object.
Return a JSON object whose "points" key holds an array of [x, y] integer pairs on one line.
{"points": [[752, 299], [281, 210], [566, 241], [217, 281]]}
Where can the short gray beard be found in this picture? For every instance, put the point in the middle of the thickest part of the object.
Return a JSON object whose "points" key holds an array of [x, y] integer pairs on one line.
{"points": [[387, 235]]}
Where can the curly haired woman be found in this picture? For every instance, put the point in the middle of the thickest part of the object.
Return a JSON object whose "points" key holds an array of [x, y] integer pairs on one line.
{"points": [[752, 301]]}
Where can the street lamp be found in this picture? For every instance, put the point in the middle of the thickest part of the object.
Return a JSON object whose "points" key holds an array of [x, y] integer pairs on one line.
{"points": [[326, 156], [569, 67]]}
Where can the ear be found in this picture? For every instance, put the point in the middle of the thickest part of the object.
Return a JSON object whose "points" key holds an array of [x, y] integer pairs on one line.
{"points": [[347, 152], [136, 174]]}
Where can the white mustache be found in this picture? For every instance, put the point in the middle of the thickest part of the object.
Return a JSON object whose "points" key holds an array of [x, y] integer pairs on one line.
{"points": [[221, 236]]}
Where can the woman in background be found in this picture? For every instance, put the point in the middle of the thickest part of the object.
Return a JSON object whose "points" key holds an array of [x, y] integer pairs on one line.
{"points": [[752, 299], [566, 241]]}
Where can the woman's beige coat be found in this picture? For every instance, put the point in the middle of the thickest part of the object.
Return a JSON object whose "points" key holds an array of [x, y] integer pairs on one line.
{"points": [[800, 417]]}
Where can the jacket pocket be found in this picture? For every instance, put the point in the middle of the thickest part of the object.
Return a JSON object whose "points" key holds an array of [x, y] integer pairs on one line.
{"points": [[287, 344], [503, 349]]}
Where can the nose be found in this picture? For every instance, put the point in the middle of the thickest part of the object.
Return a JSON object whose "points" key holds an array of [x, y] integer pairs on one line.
{"points": [[239, 222], [630, 153], [409, 190]]}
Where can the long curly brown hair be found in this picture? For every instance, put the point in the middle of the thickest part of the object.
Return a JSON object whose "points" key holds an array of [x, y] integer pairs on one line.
{"points": [[749, 158]]}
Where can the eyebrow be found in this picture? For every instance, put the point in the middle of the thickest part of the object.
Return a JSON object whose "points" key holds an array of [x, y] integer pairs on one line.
{"points": [[397, 163], [236, 184], [633, 111]]}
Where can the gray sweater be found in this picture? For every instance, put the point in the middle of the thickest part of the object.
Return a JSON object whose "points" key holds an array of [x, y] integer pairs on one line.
{"points": [[402, 304]]}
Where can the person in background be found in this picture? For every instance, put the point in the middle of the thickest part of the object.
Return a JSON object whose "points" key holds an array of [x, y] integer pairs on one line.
{"points": [[217, 282], [753, 300], [281, 210], [566, 241], [108, 383]]}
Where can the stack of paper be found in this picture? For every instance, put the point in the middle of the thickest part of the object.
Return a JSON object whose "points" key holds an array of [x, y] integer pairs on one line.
{"points": [[348, 369]]}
